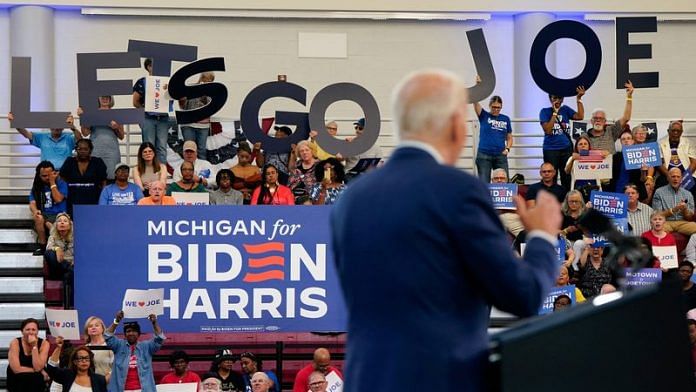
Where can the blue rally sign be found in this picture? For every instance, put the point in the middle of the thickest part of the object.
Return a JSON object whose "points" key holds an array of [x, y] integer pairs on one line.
{"points": [[613, 205], [636, 156], [502, 196], [222, 268]]}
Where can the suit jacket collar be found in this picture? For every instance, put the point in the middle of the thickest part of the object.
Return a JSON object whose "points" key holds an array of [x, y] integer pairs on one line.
{"points": [[424, 147]]}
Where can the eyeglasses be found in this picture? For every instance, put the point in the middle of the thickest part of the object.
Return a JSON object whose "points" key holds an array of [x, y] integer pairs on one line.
{"points": [[82, 359], [316, 383], [332, 128], [359, 128], [574, 201], [496, 107], [547, 171]]}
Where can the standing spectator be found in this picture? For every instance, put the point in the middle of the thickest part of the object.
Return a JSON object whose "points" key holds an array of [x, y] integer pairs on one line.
{"points": [[555, 121], [317, 151], [56, 146], [79, 375], [582, 147], [85, 175], [638, 213], [640, 135], [547, 183], [250, 365], [657, 234], [27, 357], [676, 152], [622, 176], [247, 176], [686, 270], [225, 195], [122, 192], [105, 138], [321, 363], [198, 132], [222, 368], [317, 382], [281, 160], [149, 168], [103, 357], [157, 196], [202, 169], [271, 192], [302, 171], [330, 177], [48, 198], [374, 152], [187, 182], [676, 204], [603, 136], [495, 138], [155, 126], [595, 275], [179, 361], [60, 255], [133, 359]]}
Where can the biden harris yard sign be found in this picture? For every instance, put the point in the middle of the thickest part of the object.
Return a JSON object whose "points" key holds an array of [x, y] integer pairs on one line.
{"points": [[222, 268]]}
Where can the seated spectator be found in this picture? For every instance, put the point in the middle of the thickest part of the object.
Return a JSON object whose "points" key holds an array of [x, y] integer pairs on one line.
{"points": [[122, 192], [271, 192], [60, 255], [622, 176], [302, 170], [56, 146], [686, 270], [676, 204], [94, 339], [202, 169], [564, 279], [676, 151], [638, 213], [80, 370], [85, 175], [657, 234], [179, 361], [321, 363], [260, 382], [225, 195], [132, 369], [317, 381], [573, 207], [330, 176], [25, 372], [280, 160], [250, 365], [222, 369], [561, 302], [374, 152], [149, 168], [511, 221], [247, 176], [210, 383], [692, 339], [48, 198], [595, 274], [547, 183], [582, 146], [157, 196], [187, 182]]}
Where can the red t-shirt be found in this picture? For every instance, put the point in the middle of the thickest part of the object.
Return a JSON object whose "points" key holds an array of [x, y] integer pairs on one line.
{"points": [[132, 378], [302, 377], [172, 378]]}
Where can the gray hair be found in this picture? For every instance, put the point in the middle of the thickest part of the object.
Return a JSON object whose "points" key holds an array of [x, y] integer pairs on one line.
{"points": [[499, 170], [419, 111], [564, 207], [597, 110]]}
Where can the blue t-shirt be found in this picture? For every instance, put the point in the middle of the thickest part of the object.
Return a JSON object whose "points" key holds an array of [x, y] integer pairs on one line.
{"points": [[493, 134], [50, 207], [55, 151], [559, 138], [112, 195]]}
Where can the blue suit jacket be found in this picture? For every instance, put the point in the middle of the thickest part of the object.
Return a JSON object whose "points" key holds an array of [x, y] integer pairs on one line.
{"points": [[421, 255]]}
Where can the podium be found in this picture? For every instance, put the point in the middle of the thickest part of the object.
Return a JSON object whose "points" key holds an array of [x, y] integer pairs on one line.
{"points": [[636, 343]]}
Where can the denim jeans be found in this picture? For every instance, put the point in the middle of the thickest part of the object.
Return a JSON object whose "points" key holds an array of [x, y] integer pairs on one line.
{"points": [[558, 159], [198, 135], [485, 163], [156, 131], [63, 271]]}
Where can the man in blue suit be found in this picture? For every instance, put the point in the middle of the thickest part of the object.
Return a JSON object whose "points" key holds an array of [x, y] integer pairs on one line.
{"points": [[421, 253]]}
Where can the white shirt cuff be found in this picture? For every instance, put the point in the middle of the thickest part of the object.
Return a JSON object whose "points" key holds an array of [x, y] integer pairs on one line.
{"points": [[551, 239]]}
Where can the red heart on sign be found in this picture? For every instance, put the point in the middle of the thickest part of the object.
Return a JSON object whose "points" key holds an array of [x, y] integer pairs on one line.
{"points": [[141, 304], [592, 167], [57, 323], [157, 94]]}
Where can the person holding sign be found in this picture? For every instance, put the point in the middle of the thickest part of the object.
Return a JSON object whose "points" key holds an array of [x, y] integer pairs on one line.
{"points": [[676, 204], [495, 137], [564, 280], [198, 131], [132, 358], [676, 151], [56, 146], [80, 370], [640, 136], [330, 176], [603, 136], [27, 357], [622, 176], [555, 121], [155, 126], [105, 137], [582, 148]]}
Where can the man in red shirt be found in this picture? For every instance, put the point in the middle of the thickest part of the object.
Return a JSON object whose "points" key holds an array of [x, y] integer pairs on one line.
{"points": [[179, 361], [321, 363]]}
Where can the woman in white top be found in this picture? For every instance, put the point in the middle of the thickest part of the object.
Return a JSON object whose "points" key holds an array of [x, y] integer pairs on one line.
{"points": [[94, 339]]}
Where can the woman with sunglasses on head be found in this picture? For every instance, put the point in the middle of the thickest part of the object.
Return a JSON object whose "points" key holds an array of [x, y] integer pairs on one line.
{"points": [[79, 376], [495, 138]]}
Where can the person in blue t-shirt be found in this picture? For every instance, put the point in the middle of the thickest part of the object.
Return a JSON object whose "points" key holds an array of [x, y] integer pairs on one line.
{"points": [[122, 192], [495, 138], [555, 121], [48, 198], [56, 146]]}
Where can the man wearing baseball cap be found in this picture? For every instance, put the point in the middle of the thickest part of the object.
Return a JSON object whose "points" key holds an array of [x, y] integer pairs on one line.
{"points": [[202, 169], [374, 152], [122, 192], [281, 160]]}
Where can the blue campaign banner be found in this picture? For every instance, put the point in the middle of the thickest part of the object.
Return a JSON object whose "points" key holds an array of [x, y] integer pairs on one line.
{"points": [[613, 205], [561, 249], [620, 224], [503, 196], [636, 156], [643, 276], [547, 306], [222, 268]]}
